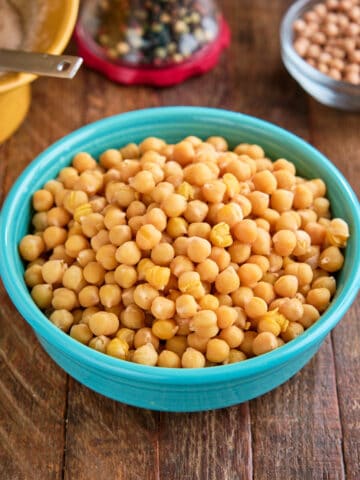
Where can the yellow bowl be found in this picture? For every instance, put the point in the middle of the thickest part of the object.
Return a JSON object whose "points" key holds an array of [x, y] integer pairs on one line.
{"points": [[54, 33]]}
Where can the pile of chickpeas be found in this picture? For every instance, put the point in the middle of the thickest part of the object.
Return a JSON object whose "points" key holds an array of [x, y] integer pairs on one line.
{"points": [[185, 255], [328, 38]]}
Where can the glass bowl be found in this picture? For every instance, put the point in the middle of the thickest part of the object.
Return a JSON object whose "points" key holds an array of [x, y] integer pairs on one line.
{"points": [[165, 388], [326, 90]]}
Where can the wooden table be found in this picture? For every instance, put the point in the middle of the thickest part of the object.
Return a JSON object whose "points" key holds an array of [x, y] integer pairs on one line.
{"points": [[51, 427]]}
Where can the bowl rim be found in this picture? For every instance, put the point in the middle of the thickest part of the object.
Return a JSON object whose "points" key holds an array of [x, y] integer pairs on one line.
{"points": [[66, 26], [81, 354], [291, 14]]}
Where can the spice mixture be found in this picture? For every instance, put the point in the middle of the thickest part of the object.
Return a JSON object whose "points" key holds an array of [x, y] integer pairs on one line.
{"points": [[155, 32]]}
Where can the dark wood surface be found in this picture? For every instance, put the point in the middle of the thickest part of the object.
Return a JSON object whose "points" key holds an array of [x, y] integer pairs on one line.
{"points": [[51, 427]]}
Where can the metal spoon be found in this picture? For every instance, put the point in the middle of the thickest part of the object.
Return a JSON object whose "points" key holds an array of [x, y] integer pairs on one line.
{"points": [[62, 66]]}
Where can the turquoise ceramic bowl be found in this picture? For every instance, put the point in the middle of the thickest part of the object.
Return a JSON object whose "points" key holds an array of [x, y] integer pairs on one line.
{"points": [[161, 388]]}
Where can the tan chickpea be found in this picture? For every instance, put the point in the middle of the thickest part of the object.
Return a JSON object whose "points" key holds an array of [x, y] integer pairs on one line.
{"points": [[265, 291], [247, 343], [42, 200], [162, 308], [169, 359], [181, 264], [42, 295], [53, 271], [192, 358], [255, 307], [177, 344], [99, 343], [204, 323], [331, 259], [286, 286], [293, 330], [264, 342], [32, 246], [281, 200], [128, 253], [284, 242], [262, 244], [63, 319], [209, 302], [319, 298], [132, 317], [227, 281], [81, 333], [89, 296], [164, 329]]}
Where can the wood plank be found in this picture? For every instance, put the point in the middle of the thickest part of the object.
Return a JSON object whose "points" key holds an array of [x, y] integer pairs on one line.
{"points": [[341, 145], [31, 415], [208, 445], [109, 440], [296, 428]]}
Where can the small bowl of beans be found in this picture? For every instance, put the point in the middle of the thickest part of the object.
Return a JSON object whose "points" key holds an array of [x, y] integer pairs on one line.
{"points": [[320, 43], [181, 258]]}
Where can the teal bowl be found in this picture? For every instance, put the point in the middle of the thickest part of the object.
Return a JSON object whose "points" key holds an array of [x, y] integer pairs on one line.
{"points": [[162, 388]]}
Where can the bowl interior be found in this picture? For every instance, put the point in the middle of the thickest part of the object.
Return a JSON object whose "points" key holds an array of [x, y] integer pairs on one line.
{"points": [[173, 124]]}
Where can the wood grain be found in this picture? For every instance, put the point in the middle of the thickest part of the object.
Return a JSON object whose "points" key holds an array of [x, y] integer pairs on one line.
{"points": [[337, 135], [51, 427]]}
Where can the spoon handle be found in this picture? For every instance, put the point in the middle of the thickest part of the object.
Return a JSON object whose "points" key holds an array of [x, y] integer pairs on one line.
{"points": [[62, 66]]}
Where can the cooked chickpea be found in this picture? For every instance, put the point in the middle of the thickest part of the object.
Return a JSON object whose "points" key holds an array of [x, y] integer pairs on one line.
{"points": [[128, 253], [63, 319], [198, 249], [31, 247], [162, 308], [185, 255], [264, 342], [192, 358], [227, 281], [169, 359], [42, 295]]}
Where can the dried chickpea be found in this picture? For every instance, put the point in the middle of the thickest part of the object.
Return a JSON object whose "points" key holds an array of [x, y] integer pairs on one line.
{"points": [[208, 270]]}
